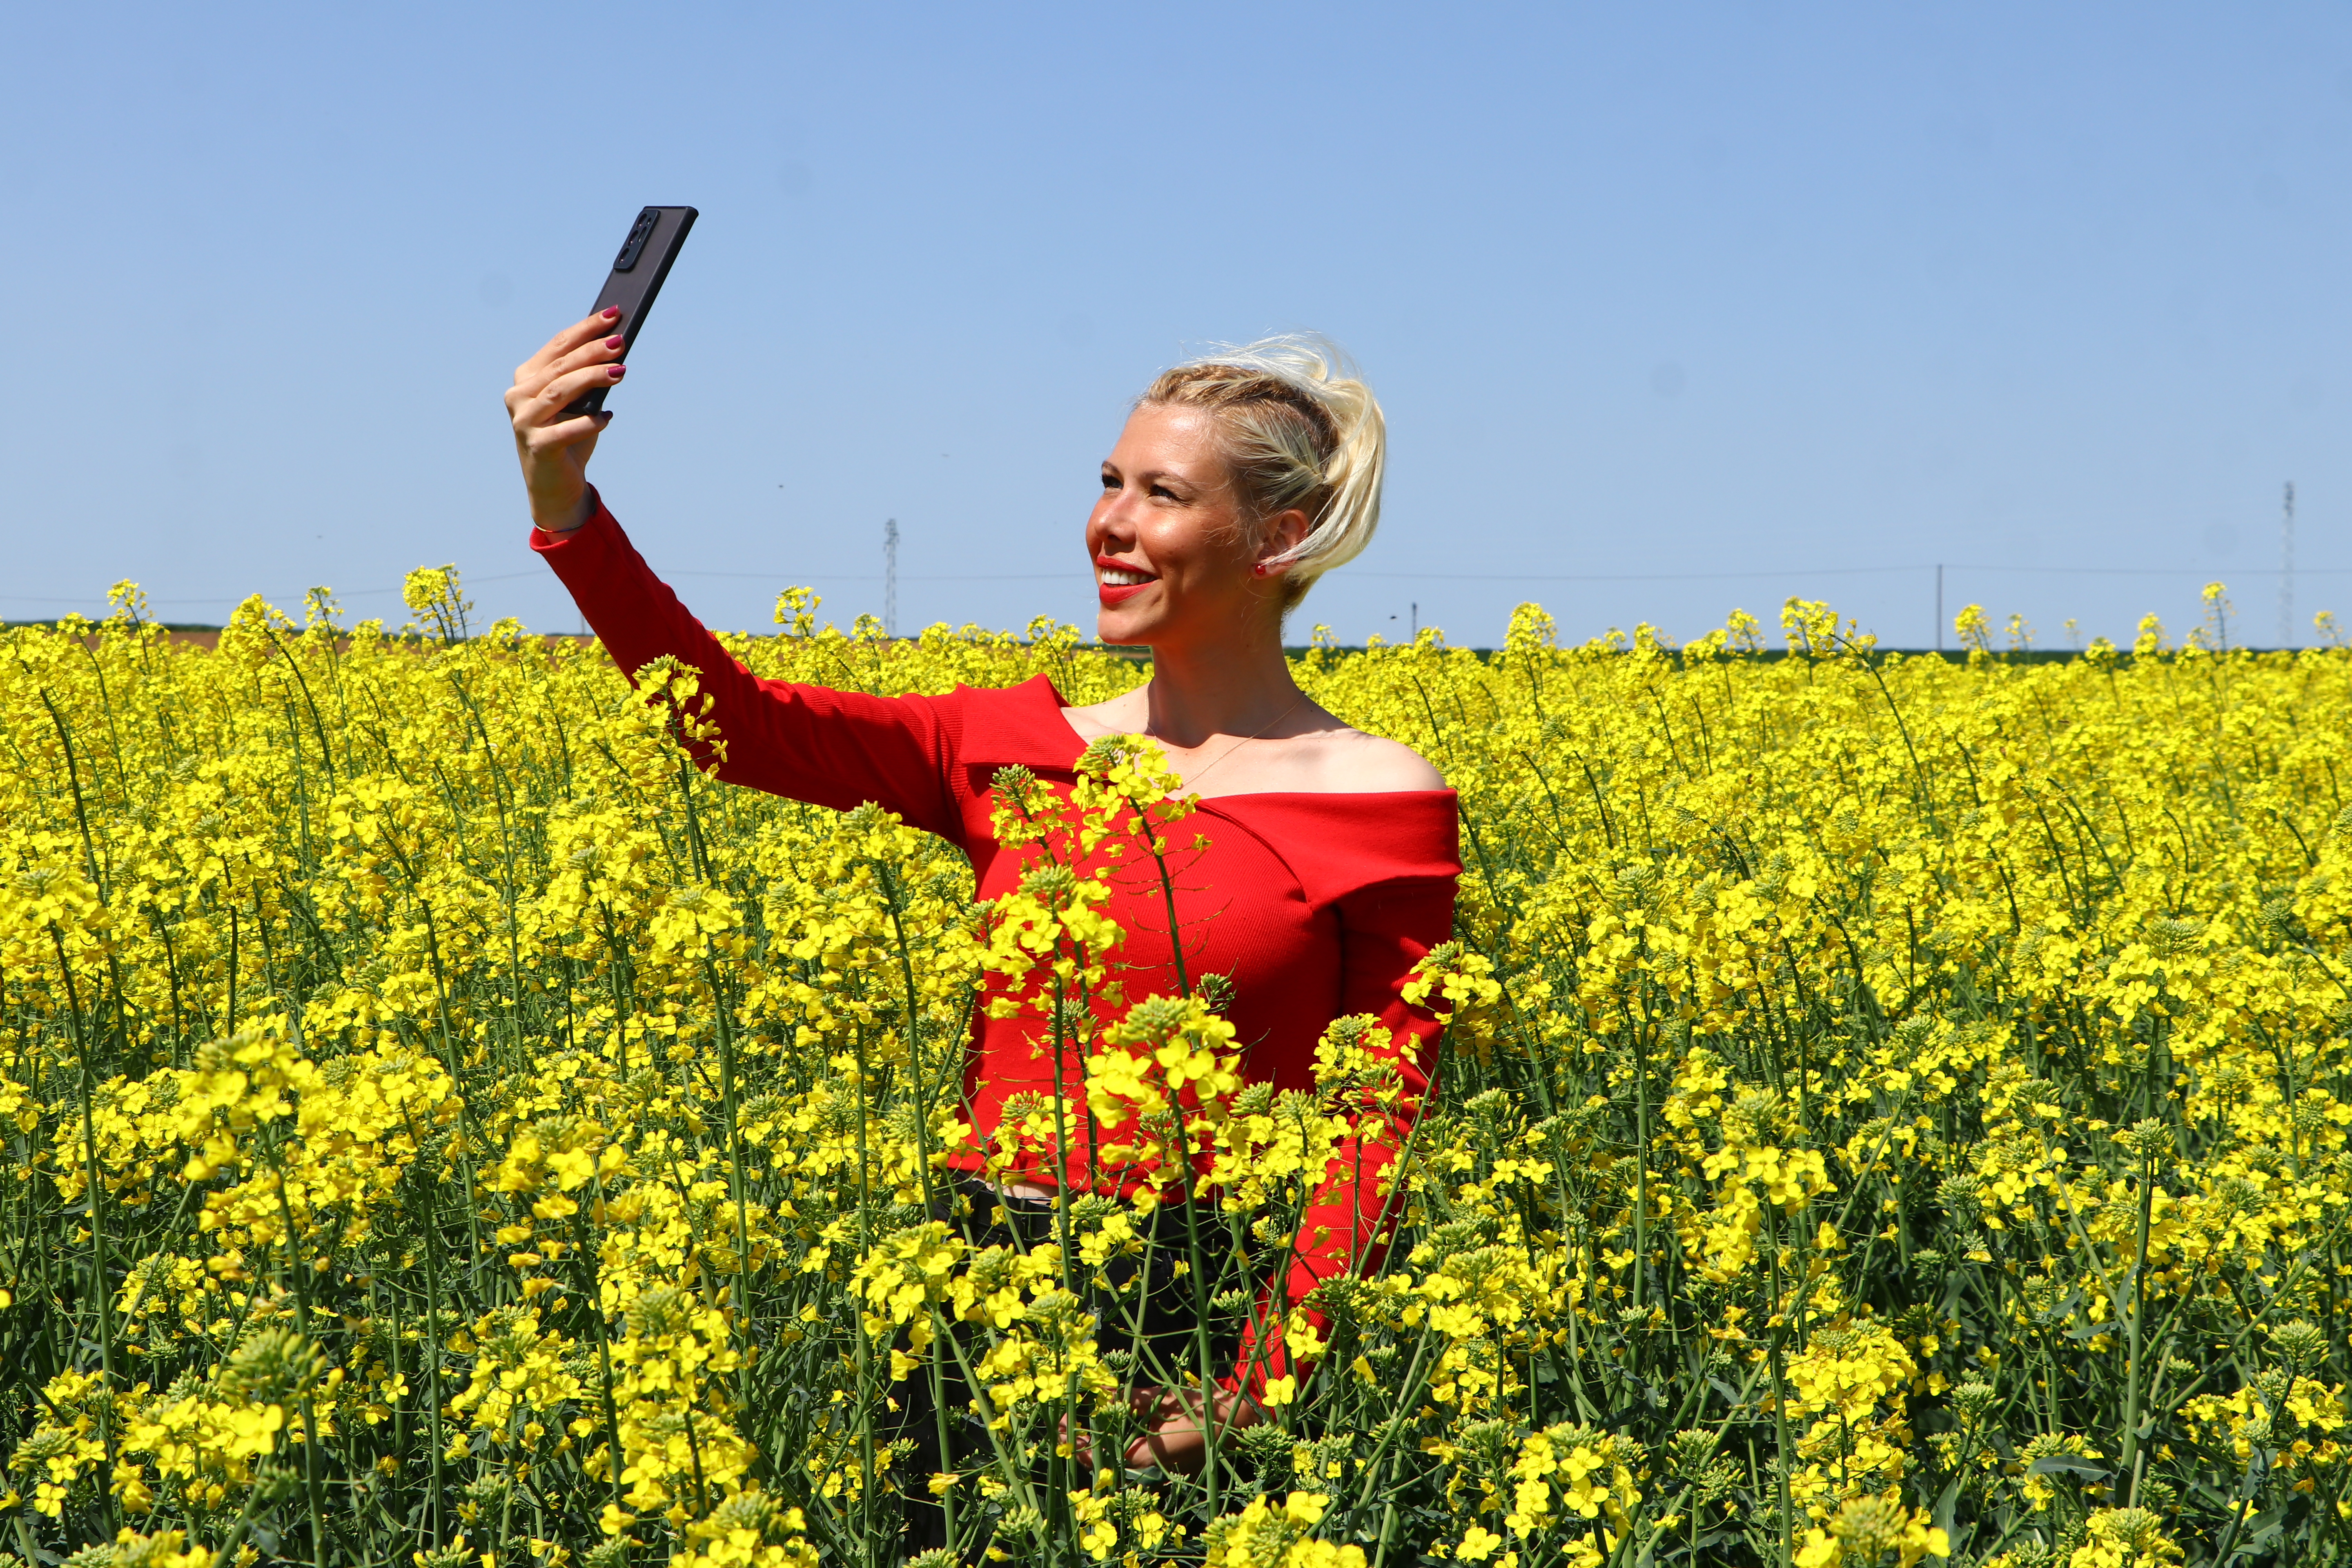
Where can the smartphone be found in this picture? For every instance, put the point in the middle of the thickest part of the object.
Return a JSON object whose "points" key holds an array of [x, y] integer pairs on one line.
{"points": [[637, 273]]}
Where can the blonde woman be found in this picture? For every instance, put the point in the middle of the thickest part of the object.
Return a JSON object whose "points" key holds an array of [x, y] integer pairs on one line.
{"points": [[1331, 862]]}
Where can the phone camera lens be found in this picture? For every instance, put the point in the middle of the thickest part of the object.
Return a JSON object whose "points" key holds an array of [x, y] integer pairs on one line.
{"points": [[639, 233]]}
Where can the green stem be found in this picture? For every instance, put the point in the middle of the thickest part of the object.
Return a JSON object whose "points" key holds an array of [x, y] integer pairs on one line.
{"points": [[94, 1184], [2138, 1310]]}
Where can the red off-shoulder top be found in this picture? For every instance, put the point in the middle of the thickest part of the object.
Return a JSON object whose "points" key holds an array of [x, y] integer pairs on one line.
{"points": [[1316, 906]]}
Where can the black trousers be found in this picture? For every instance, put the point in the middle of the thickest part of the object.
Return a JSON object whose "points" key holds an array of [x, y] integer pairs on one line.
{"points": [[1146, 1324]]}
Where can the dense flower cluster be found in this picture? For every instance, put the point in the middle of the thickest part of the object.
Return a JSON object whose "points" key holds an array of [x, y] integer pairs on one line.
{"points": [[1891, 1111]]}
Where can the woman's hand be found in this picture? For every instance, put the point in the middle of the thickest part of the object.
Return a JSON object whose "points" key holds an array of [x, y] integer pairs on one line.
{"points": [[554, 451], [1174, 1437]]}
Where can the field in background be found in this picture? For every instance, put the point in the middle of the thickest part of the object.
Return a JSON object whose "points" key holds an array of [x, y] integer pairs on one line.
{"points": [[1891, 1108]]}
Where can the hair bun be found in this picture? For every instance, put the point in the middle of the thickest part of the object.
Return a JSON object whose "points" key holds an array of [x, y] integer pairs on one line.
{"points": [[1301, 429]]}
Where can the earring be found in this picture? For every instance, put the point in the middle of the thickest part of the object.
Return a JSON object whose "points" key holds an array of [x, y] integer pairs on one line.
{"points": [[1258, 569]]}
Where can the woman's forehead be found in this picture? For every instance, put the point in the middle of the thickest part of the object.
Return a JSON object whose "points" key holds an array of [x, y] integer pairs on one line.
{"points": [[1160, 435]]}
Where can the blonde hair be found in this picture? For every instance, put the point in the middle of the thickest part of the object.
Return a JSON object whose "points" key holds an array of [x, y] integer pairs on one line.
{"points": [[1299, 429]]}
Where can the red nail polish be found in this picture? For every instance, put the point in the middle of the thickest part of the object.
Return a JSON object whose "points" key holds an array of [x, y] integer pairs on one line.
{"points": [[611, 312], [615, 340], [614, 371]]}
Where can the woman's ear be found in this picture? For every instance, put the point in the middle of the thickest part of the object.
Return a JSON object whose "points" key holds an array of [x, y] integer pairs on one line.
{"points": [[1283, 530]]}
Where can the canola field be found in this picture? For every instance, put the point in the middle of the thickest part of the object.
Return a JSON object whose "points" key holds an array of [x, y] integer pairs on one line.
{"points": [[1891, 1111]]}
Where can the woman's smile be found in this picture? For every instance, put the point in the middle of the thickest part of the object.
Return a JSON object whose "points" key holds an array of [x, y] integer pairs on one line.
{"points": [[1117, 582]]}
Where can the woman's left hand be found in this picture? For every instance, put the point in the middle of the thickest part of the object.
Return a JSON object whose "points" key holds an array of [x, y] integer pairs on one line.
{"points": [[1175, 1437]]}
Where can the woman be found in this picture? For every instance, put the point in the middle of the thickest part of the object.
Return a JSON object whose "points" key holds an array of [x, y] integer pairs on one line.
{"points": [[1330, 858]]}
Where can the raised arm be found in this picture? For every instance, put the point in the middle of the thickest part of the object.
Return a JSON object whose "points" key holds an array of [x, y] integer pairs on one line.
{"points": [[833, 748]]}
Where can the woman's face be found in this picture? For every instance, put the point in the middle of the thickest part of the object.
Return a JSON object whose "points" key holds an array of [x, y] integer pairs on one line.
{"points": [[1173, 562]]}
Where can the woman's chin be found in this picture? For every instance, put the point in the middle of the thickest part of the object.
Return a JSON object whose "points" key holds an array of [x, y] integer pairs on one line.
{"points": [[1119, 629]]}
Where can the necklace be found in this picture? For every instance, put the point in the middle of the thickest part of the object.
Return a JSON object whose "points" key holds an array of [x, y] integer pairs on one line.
{"points": [[1192, 783]]}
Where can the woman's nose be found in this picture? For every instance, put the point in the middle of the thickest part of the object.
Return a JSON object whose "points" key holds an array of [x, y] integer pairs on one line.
{"points": [[1110, 519]]}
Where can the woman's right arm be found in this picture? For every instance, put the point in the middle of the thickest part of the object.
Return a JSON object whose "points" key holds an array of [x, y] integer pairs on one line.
{"points": [[832, 748]]}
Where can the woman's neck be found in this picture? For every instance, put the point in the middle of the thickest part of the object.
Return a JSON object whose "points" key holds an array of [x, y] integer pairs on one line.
{"points": [[1195, 693]]}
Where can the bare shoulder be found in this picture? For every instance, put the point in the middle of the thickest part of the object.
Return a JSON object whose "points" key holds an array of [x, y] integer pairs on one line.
{"points": [[1122, 715], [1353, 761]]}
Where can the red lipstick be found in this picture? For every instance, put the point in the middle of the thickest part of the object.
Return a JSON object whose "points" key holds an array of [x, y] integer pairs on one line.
{"points": [[1109, 593]]}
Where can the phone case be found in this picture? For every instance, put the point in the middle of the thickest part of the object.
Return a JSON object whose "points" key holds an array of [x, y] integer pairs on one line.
{"points": [[637, 272]]}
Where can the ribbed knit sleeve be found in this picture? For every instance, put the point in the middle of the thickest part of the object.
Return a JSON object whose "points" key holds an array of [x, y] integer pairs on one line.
{"points": [[1385, 931], [836, 749], [1388, 865]]}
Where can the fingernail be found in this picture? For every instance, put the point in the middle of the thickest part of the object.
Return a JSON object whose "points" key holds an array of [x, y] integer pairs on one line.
{"points": [[615, 340], [614, 371], [611, 312]]}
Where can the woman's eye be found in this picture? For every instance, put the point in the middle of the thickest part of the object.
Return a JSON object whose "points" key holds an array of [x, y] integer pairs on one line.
{"points": [[1162, 492], [1110, 481]]}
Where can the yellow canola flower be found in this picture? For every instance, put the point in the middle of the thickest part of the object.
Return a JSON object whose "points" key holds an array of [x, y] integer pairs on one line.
{"points": [[1873, 1530], [1269, 1535], [2124, 1538]]}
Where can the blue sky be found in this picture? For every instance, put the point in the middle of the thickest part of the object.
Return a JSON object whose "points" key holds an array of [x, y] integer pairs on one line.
{"points": [[1673, 307]]}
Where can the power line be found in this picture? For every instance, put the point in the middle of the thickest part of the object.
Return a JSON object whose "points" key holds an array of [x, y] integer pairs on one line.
{"points": [[1624, 576], [1074, 573], [1065, 575], [241, 598], [789, 577], [2207, 572]]}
